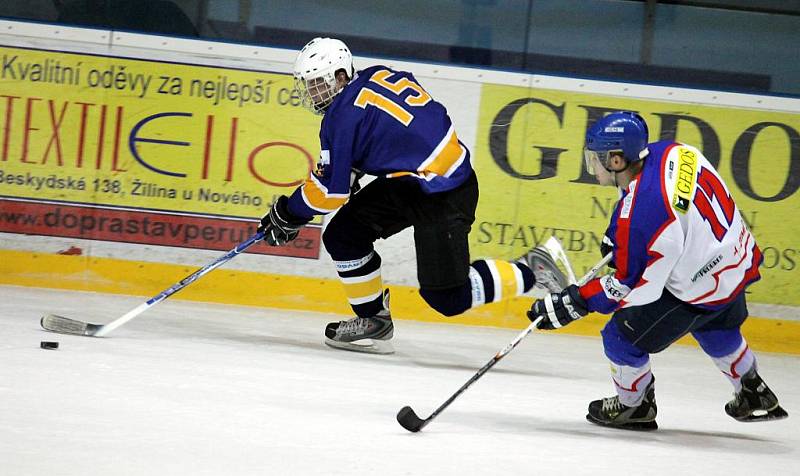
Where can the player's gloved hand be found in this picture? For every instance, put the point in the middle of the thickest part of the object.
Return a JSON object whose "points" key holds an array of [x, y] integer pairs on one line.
{"points": [[606, 247], [280, 226], [559, 309]]}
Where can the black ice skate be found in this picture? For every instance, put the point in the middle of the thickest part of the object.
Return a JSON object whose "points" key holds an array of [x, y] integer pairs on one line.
{"points": [[363, 334], [755, 401], [610, 412], [548, 276]]}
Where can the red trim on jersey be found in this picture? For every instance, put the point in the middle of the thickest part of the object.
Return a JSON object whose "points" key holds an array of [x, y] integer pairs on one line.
{"points": [[654, 256], [591, 289], [750, 276], [735, 292], [622, 235]]}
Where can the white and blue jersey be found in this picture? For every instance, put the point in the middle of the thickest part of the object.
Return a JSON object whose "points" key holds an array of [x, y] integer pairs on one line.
{"points": [[676, 227], [384, 124]]}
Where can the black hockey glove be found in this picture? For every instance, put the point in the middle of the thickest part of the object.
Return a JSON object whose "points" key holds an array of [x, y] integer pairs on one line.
{"points": [[558, 310], [606, 247], [280, 226]]}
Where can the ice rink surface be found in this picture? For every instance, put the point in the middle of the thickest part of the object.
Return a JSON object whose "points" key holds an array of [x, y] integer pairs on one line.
{"points": [[201, 389]]}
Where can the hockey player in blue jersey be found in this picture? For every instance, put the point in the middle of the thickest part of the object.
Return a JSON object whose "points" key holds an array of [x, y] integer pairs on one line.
{"points": [[683, 258], [381, 122]]}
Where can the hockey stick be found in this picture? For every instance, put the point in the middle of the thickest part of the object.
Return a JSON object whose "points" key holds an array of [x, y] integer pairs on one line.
{"points": [[65, 325], [409, 420], [553, 246]]}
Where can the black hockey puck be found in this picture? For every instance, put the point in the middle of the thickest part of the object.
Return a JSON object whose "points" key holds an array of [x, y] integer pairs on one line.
{"points": [[48, 345]]}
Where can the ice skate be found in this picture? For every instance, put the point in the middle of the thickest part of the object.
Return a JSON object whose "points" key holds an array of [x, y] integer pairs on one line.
{"points": [[755, 401], [363, 334], [548, 276], [610, 412]]}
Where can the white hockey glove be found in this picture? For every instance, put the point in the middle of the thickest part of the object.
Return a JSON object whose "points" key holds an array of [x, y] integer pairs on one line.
{"points": [[278, 225], [559, 309]]}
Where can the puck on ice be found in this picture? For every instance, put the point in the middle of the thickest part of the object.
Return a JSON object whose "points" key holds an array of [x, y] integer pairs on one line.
{"points": [[48, 345]]}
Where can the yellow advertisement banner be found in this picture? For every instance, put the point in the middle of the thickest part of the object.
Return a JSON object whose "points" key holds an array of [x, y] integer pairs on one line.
{"points": [[534, 185], [148, 134], [148, 152]]}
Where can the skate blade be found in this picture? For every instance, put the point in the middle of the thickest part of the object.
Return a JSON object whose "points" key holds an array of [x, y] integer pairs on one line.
{"points": [[777, 413], [367, 346], [633, 426]]}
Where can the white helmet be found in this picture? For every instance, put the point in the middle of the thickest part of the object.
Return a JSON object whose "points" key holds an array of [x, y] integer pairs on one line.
{"points": [[315, 72]]}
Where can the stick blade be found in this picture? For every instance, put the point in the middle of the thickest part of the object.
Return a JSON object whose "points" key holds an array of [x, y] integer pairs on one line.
{"points": [[65, 325], [409, 420], [548, 275], [556, 250]]}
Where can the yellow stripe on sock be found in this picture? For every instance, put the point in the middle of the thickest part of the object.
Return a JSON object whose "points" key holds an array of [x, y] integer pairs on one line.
{"points": [[508, 280], [364, 289]]}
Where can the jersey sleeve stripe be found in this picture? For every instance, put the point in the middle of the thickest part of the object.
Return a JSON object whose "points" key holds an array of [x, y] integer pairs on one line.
{"points": [[316, 196], [445, 158], [438, 149], [591, 289], [448, 156], [399, 174], [458, 162]]}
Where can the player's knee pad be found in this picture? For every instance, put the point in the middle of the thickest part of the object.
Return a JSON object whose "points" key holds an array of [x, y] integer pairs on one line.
{"points": [[340, 240], [719, 342], [619, 349], [332, 236], [450, 301]]}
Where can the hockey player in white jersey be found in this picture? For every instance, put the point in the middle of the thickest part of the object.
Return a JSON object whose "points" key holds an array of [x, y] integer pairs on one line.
{"points": [[683, 258]]}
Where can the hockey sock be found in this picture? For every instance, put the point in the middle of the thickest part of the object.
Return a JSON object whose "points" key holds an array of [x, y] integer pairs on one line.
{"points": [[494, 280], [362, 283], [736, 364], [631, 382], [729, 351], [630, 365]]}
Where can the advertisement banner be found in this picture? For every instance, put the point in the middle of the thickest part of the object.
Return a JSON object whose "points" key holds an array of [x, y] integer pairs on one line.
{"points": [[201, 150], [147, 228], [534, 183]]}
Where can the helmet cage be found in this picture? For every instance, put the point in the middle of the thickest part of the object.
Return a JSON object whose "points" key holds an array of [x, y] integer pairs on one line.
{"points": [[316, 94], [315, 72]]}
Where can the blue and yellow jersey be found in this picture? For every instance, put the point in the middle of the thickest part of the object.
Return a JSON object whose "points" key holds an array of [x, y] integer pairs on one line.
{"points": [[384, 124]]}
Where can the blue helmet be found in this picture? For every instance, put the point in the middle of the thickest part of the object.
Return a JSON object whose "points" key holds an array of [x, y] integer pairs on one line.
{"points": [[620, 131]]}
